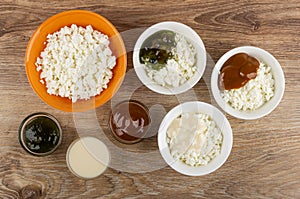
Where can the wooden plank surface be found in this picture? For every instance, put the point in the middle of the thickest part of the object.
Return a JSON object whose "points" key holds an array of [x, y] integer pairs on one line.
{"points": [[264, 162]]}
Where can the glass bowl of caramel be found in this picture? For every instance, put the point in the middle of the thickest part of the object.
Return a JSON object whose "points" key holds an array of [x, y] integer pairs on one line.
{"points": [[129, 121]]}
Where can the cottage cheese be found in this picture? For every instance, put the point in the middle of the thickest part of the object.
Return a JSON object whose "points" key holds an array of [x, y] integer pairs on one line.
{"points": [[194, 138], [255, 93], [76, 63], [180, 68]]}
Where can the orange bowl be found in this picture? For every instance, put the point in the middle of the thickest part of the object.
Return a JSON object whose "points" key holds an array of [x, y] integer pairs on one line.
{"points": [[81, 18]]}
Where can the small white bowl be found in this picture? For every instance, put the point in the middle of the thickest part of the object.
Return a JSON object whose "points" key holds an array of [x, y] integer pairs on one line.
{"points": [[222, 123], [192, 36], [278, 75]]}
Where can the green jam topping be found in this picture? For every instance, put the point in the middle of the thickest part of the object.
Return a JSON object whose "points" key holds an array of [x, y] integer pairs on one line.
{"points": [[157, 49]]}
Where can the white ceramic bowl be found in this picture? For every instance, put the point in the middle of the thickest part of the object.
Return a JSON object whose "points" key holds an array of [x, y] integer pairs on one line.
{"points": [[222, 123], [263, 56], [192, 36]]}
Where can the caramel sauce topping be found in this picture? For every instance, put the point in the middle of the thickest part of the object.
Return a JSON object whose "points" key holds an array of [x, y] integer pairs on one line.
{"points": [[238, 70]]}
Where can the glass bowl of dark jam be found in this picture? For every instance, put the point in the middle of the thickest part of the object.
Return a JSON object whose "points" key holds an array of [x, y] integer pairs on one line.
{"points": [[129, 121], [40, 134]]}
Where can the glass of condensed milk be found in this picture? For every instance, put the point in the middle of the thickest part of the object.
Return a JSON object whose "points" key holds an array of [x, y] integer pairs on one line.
{"points": [[87, 157]]}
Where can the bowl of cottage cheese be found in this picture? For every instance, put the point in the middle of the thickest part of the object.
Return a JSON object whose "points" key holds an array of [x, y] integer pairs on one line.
{"points": [[75, 61], [247, 82], [169, 58], [195, 138]]}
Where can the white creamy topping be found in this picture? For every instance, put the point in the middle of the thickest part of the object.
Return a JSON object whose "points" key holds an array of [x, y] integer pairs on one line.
{"points": [[194, 138]]}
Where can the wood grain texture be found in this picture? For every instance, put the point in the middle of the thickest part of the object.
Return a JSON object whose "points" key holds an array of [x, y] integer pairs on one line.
{"points": [[264, 162]]}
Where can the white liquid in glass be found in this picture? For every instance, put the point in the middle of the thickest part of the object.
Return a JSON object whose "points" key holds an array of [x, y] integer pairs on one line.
{"points": [[88, 157]]}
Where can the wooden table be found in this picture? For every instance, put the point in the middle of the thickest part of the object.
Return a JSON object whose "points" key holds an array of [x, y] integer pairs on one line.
{"points": [[264, 161]]}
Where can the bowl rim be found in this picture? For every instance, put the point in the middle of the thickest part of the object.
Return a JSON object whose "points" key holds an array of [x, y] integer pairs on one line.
{"points": [[278, 75], [93, 102], [223, 125], [192, 36]]}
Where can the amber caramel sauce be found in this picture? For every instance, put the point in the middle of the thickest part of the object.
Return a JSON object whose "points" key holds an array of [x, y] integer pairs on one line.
{"points": [[238, 70], [129, 121]]}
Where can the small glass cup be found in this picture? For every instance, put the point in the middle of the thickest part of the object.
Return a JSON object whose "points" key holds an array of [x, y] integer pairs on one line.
{"points": [[87, 157], [40, 134], [129, 121]]}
